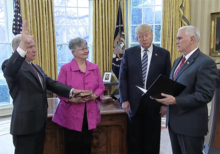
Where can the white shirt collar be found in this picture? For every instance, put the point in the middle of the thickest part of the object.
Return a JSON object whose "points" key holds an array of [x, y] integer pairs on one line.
{"points": [[189, 54], [150, 49], [28, 62]]}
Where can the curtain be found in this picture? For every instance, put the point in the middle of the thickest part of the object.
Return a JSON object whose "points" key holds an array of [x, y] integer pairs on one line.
{"points": [[104, 23], [40, 17], [176, 13]]}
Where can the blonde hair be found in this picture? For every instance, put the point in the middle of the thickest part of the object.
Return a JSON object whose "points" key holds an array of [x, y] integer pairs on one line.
{"points": [[142, 28]]}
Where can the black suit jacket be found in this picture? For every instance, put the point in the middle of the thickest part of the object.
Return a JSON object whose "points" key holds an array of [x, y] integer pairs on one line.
{"points": [[130, 75], [190, 116], [29, 96]]}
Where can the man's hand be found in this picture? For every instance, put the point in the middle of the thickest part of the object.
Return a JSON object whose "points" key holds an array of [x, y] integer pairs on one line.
{"points": [[163, 110], [126, 106], [168, 100], [27, 41], [76, 91]]}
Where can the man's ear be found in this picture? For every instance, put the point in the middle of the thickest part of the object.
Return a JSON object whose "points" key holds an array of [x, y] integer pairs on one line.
{"points": [[192, 39]]}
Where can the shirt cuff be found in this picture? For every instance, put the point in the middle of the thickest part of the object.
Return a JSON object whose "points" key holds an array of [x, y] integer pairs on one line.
{"points": [[71, 95], [21, 52]]}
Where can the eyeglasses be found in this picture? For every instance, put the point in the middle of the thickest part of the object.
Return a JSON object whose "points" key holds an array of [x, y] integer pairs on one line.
{"points": [[83, 49]]}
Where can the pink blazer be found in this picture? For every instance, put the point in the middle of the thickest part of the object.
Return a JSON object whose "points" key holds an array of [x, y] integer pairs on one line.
{"points": [[70, 115]]}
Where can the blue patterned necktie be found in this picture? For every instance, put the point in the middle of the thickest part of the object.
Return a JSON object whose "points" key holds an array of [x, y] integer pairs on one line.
{"points": [[144, 64]]}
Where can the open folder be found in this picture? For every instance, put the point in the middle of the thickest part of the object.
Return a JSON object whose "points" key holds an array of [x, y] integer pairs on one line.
{"points": [[164, 85]]}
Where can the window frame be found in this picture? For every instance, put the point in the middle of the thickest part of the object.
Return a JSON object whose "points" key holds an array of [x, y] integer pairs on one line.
{"points": [[6, 109], [129, 41], [90, 42]]}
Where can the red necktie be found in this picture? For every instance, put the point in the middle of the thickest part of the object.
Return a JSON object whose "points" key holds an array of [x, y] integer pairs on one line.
{"points": [[180, 66]]}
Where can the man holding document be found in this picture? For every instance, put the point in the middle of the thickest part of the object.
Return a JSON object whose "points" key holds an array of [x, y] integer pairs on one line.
{"points": [[140, 66], [187, 116]]}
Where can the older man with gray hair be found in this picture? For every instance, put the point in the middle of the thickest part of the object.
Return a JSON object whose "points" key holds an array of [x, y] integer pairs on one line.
{"points": [[15, 42], [188, 115], [28, 84], [140, 66]]}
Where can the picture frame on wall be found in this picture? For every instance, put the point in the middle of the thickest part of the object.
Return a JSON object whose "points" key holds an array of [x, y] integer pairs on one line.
{"points": [[215, 35], [107, 76]]}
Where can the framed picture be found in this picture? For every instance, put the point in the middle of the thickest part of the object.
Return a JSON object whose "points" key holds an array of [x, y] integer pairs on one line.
{"points": [[215, 34], [107, 76]]}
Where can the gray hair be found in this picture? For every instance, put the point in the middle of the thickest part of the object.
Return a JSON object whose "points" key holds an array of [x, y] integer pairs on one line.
{"points": [[192, 31], [16, 41], [77, 42], [142, 28]]}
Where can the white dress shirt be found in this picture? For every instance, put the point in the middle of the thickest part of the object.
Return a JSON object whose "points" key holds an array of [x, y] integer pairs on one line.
{"points": [[187, 57], [149, 53]]}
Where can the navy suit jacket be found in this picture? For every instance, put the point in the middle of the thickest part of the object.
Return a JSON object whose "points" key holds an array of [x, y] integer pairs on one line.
{"points": [[190, 116], [29, 96], [130, 75]]}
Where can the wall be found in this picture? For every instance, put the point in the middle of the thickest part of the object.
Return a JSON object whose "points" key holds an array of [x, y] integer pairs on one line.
{"points": [[200, 17]]}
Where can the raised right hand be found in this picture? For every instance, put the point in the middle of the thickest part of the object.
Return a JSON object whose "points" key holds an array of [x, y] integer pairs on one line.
{"points": [[126, 106], [27, 41]]}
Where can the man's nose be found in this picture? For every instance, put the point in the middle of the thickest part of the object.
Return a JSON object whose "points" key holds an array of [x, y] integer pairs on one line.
{"points": [[34, 49], [177, 42]]}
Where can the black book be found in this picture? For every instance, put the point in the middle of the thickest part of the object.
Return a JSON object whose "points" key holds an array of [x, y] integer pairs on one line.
{"points": [[164, 85]]}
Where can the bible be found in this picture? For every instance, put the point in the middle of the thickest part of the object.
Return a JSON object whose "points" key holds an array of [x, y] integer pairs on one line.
{"points": [[85, 94]]}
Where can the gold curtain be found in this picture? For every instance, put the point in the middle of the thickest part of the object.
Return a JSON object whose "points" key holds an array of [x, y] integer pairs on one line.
{"points": [[176, 13], [40, 17], [104, 23]]}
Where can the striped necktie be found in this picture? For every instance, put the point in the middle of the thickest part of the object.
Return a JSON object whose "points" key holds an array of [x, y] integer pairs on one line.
{"points": [[180, 66], [144, 64]]}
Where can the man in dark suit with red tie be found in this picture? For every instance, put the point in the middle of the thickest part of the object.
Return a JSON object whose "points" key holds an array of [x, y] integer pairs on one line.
{"points": [[187, 115], [140, 66], [28, 84]]}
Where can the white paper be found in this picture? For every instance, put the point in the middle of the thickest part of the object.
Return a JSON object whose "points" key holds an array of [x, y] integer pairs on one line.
{"points": [[142, 89]]}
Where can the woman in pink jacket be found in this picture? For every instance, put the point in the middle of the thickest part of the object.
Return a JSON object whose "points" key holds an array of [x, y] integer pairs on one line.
{"points": [[79, 116]]}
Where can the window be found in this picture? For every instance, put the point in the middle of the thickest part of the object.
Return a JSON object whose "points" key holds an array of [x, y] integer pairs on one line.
{"points": [[6, 16], [149, 12], [73, 18]]}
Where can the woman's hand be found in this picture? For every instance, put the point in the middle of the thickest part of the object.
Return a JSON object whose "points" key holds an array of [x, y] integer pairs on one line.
{"points": [[77, 100], [87, 98], [90, 98], [83, 99]]}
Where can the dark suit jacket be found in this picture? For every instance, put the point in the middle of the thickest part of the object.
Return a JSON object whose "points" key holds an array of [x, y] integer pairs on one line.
{"points": [[131, 75], [29, 97], [190, 116]]}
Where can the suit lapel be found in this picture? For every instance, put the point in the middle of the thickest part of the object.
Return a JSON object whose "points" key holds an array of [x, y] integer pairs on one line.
{"points": [[29, 68], [41, 74], [153, 61], [188, 63], [137, 57], [176, 62]]}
